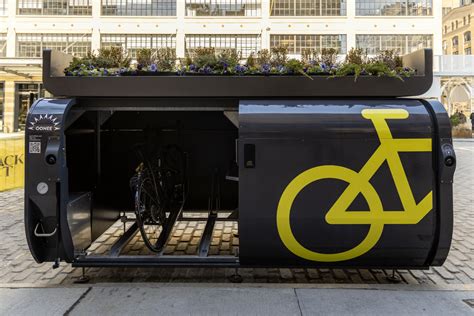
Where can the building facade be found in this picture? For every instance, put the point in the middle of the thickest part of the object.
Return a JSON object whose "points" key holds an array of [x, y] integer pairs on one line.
{"points": [[78, 26], [458, 29]]}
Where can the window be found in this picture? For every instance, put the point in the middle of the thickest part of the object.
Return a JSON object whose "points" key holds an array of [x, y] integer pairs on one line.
{"points": [[139, 7], [394, 7], [402, 44], [223, 7], [3, 45], [133, 42], [296, 43], [467, 37], [445, 29], [445, 47], [245, 44], [32, 45], [455, 41], [308, 7], [54, 7], [3, 9], [27, 94], [467, 51]]}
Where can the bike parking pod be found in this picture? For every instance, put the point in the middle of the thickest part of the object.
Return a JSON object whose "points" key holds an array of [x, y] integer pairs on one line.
{"points": [[355, 183], [310, 180]]}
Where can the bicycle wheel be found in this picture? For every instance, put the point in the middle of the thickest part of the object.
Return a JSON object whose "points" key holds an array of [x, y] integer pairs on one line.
{"points": [[149, 214], [336, 214], [173, 175]]}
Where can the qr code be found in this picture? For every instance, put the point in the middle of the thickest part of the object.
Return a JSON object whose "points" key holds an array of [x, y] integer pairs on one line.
{"points": [[35, 148]]}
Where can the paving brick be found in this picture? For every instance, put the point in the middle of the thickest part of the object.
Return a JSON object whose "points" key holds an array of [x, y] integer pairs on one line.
{"points": [[286, 274], [313, 273]]}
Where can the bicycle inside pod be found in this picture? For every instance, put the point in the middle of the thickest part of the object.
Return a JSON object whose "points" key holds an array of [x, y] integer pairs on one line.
{"points": [[302, 180]]}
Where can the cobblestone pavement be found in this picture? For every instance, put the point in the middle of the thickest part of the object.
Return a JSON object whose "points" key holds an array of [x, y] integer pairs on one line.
{"points": [[17, 265]]}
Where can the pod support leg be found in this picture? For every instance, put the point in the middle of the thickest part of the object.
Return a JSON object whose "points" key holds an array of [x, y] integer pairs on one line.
{"points": [[83, 278], [393, 278]]}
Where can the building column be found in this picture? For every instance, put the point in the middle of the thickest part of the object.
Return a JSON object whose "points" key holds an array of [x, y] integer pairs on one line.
{"points": [[351, 12], [265, 25], [9, 106], [95, 37], [438, 22], [11, 33], [180, 40]]}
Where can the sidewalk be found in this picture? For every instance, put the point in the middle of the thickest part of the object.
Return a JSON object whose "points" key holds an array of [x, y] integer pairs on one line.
{"points": [[214, 299]]}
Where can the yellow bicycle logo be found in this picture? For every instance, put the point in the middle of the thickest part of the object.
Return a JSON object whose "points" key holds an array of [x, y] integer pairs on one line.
{"points": [[358, 182]]}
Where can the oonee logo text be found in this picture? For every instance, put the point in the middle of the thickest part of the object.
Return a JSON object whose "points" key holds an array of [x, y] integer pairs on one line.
{"points": [[44, 123]]}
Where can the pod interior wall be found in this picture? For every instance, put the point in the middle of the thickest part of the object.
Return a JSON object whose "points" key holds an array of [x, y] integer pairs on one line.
{"points": [[103, 162]]}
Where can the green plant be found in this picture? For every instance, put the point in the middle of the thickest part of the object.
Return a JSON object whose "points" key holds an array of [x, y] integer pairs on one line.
{"points": [[228, 59], [294, 66], [390, 58], [405, 72], [101, 63], [166, 59], [113, 57], [187, 61], [279, 56], [309, 56], [115, 61], [251, 62], [379, 69], [144, 57], [455, 120], [204, 57], [329, 57], [77, 62], [263, 57], [356, 56], [349, 70]]}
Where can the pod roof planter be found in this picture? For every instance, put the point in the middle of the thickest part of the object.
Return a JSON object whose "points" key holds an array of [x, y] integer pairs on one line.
{"points": [[208, 86]]}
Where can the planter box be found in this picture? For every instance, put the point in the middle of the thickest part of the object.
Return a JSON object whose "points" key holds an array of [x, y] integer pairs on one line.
{"points": [[58, 84], [462, 131]]}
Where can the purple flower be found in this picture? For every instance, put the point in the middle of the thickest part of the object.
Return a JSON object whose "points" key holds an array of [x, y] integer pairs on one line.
{"points": [[153, 67], [240, 69], [105, 72], [192, 67], [181, 72], [265, 69]]}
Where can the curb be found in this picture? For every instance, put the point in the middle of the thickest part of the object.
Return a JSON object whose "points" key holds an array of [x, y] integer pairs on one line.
{"points": [[332, 286]]}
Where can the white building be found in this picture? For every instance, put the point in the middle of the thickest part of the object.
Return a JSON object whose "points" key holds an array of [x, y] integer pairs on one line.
{"points": [[77, 26]]}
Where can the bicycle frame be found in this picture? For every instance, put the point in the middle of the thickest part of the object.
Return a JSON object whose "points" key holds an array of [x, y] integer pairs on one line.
{"points": [[358, 182], [388, 150]]}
